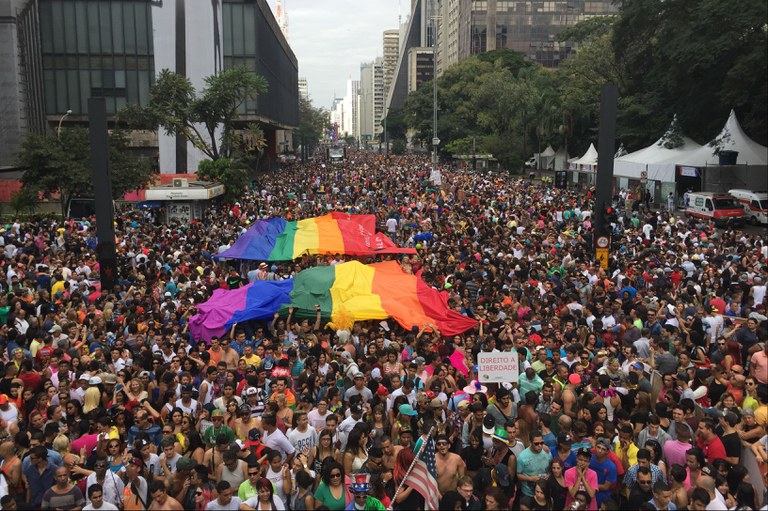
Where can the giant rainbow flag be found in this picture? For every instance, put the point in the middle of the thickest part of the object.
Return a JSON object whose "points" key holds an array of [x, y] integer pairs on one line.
{"points": [[276, 239], [374, 291]]}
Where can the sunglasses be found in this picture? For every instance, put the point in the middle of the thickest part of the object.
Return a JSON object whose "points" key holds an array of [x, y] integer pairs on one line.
{"points": [[439, 444], [537, 443], [336, 475]]}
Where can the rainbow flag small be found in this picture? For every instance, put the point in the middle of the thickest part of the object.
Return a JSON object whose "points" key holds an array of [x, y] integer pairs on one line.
{"points": [[277, 239]]}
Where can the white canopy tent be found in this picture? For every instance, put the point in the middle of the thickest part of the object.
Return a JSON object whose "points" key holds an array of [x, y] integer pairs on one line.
{"points": [[586, 162], [658, 159], [731, 138]]}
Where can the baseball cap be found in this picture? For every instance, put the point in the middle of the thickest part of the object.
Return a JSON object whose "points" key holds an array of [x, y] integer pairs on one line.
{"points": [[464, 403], [603, 442], [94, 381], [187, 387], [185, 463], [251, 391], [358, 375], [564, 438], [356, 408], [489, 425], [637, 365], [54, 329], [436, 403], [136, 461], [584, 451], [3, 399], [574, 379], [406, 409]]}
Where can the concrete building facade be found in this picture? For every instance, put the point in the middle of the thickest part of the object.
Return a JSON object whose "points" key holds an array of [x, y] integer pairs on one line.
{"points": [[69, 50]]}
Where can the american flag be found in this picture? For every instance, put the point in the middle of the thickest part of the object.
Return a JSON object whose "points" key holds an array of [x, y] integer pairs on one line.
{"points": [[423, 477]]}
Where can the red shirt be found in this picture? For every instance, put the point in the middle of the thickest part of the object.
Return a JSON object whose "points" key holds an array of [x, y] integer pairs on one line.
{"points": [[713, 449], [31, 380]]}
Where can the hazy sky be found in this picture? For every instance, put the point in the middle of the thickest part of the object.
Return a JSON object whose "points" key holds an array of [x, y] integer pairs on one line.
{"points": [[332, 37]]}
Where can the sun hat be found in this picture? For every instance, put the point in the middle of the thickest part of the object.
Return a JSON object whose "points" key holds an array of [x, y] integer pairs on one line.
{"points": [[501, 435], [474, 387]]}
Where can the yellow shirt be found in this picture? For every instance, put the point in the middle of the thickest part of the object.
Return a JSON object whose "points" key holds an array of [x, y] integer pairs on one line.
{"points": [[58, 286], [253, 360], [631, 452]]}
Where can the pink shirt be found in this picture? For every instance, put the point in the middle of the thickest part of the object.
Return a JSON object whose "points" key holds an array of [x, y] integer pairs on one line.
{"points": [[87, 441], [571, 476], [760, 364], [674, 452]]}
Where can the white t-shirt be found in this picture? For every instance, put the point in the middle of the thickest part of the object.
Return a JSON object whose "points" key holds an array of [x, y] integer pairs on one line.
{"points": [[316, 420], [254, 503], [233, 505], [278, 441], [300, 440], [105, 506]]}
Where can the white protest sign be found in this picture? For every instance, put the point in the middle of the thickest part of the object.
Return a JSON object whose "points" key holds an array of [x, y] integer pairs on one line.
{"points": [[498, 367]]}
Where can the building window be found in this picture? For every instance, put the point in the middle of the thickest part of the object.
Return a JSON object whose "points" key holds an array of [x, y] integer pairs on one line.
{"points": [[91, 49]]}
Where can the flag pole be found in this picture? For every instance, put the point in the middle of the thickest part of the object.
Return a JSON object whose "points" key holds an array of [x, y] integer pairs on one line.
{"points": [[408, 472]]}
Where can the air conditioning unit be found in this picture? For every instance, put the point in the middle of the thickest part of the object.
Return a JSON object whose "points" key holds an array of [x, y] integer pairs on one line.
{"points": [[180, 182]]}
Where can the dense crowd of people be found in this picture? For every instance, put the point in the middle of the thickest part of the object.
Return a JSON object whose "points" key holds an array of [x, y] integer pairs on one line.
{"points": [[642, 386]]}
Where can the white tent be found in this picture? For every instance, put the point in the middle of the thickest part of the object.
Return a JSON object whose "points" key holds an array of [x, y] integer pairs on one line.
{"points": [[586, 162], [731, 138], [560, 160], [658, 159], [546, 157]]}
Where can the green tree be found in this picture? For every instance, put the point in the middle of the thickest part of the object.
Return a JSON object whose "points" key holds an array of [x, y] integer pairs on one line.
{"points": [[234, 175], [697, 60], [61, 165], [208, 118], [312, 121]]}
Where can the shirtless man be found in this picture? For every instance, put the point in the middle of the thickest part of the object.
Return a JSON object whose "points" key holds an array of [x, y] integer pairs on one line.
{"points": [[569, 396], [450, 466], [389, 451], [161, 500]]}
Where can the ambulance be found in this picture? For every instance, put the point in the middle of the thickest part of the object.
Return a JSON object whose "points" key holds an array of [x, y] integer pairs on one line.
{"points": [[721, 208], [755, 205]]}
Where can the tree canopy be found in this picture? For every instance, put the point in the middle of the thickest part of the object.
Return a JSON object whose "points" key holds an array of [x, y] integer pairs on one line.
{"points": [[62, 165], [206, 118], [665, 57]]}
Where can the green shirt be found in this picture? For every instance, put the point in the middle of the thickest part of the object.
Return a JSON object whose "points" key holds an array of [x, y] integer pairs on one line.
{"points": [[323, 494], [209, 437]]}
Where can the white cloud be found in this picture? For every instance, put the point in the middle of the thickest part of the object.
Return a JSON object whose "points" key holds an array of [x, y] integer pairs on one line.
{"points": [[331, 38]]}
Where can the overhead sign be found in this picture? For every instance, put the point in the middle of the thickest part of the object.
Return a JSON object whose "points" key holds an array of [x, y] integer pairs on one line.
{"points": [[689, 171], [498, 367], [602, 255]]}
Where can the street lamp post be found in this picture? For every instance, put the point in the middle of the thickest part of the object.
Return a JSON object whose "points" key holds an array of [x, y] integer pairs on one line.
{"points": [[435, 176], [58, 128]]}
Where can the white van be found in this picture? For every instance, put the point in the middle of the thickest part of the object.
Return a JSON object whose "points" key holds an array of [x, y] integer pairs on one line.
{"points": [[755, 205], [721, 208]]}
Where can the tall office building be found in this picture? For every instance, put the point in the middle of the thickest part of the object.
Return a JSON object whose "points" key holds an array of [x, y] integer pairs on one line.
{"points": [[66, 51], [303, 88], [379, 97], [350, 125], [365, 104], [530, 28], [390, 55]]}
